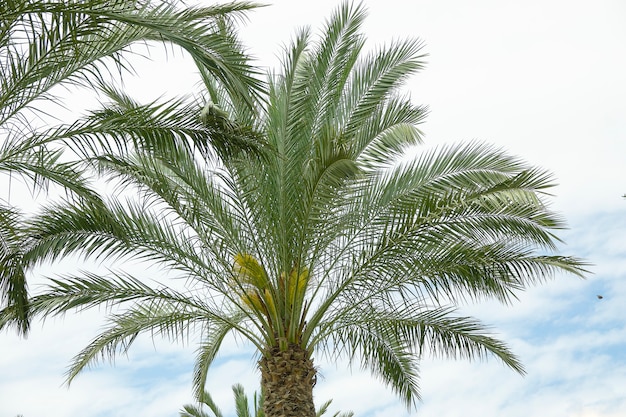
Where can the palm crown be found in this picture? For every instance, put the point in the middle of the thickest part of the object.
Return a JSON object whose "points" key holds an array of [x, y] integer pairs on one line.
{"points": [[322, 244]]}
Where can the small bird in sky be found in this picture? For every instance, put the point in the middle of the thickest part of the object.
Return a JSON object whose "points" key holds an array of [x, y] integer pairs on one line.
{"points": [[599, 297]]}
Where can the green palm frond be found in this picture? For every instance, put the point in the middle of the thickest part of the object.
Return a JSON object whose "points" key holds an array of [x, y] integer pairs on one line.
{"points": [[207, 351], [390, 338], [466, 204], [241, 405], [40, 165], [241, 401], [190, 410], [118, 231], [157, 127], [389, 360], [13, 286], [209, 402], [159, 311], [66, 40]]}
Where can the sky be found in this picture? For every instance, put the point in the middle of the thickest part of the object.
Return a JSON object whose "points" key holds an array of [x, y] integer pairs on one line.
{"points": [[541, 79]]}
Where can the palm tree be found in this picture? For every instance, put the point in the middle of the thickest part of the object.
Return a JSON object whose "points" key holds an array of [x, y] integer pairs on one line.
{"points": [[328, 245], [46, 44]]}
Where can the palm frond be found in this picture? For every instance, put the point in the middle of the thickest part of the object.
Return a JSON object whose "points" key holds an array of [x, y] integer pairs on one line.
{"points": [[190, 410], [120, 231], [124, 125], [373, 85], [160, 311], [241, 401], [13, 286], [465, 204], [126, 327], [387, 357], [215, 333], [390, 339], [67, 40], [207, 400]]}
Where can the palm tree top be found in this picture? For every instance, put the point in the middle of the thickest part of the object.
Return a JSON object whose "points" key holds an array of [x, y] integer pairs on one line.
{"points": [[323, 245]]}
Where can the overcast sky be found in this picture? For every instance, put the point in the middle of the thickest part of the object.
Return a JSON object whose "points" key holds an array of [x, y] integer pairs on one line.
{"points": [[543, 79]]}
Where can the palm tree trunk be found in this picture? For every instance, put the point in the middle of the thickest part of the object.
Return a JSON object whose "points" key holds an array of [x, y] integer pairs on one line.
{"points": [[287, 380]]}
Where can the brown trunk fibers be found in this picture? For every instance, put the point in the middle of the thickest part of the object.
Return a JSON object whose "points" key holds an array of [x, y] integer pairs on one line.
{"points": [[287, 380]]}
